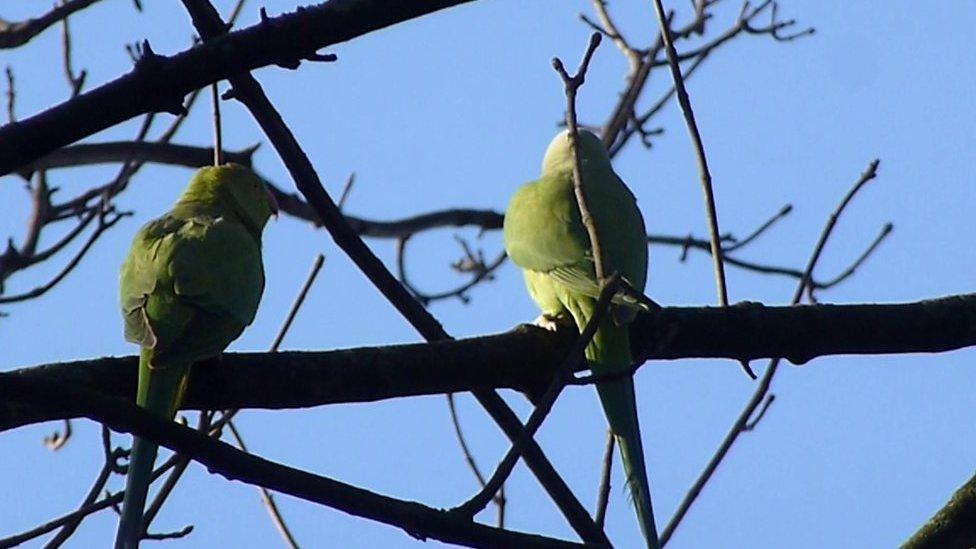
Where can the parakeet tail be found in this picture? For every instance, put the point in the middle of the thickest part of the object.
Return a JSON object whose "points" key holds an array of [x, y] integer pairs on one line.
{"points": [[160, 394], [610, 352]]}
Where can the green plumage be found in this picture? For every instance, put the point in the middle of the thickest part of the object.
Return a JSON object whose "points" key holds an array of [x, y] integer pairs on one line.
{"points": [[190, 285], [545, 236]]}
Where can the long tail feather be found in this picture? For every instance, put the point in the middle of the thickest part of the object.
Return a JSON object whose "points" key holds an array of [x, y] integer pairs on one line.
{"points": [[619, 406], [159, 393], [136, 488], [608, 353]]}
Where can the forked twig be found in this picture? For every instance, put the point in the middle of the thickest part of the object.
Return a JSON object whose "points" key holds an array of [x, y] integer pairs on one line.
{"points": [[743, 420], [563, 374]]}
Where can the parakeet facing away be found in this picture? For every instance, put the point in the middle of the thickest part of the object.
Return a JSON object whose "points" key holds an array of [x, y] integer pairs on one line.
{"points": [[545, 236], [191, 282]]}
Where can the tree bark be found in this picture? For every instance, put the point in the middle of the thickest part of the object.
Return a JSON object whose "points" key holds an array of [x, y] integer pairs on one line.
{"points": [[158, 83], [524, 359], [953, 527]]}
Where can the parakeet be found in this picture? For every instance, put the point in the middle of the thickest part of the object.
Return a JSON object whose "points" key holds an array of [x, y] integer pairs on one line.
{"points": [[545, 236], [191, 282]]}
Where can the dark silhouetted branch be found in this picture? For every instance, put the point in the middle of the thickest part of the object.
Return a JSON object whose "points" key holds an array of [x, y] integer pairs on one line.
{"points": [[247, 90], [159, 83], [742, 422], [15, 34], [525, 358], [415, 519]]}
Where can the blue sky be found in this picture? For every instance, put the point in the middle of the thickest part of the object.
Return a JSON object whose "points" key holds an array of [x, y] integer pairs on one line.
{"points": [[456, 110]]}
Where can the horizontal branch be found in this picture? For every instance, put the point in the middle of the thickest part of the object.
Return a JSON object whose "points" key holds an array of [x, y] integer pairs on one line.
{"points": [[159, 83], [525, 358], [418, 520], [87, 154]]}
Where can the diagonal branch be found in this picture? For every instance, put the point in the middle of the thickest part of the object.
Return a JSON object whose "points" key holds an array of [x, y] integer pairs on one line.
{"points": [[159, 83], [417, 520], [249, 92], [574, 359], [15, 34], [696, 140], [953, 527], [743, 420]]}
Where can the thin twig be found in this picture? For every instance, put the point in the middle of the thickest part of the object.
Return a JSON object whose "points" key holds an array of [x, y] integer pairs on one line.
{"points": [[603, 493], [706, 176], [221, 458], [498, 498], [346, 189], [610, 29], [56, 440], [250, 93], [106, 220], [228, 415], [770, 398], [276, 518], [638, 122], [182, 533], [297, 303], [75, 82], [783, 212], [266, 497], [11, 95], [182, 462], [573, 358], [476, 265], [79, 514], [743, 420], [217, 133], [69, 528], [18, 33], [846, 273], [571, 85]]}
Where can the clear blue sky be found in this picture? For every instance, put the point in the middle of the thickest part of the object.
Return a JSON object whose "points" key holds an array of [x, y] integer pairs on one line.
{"points": [[456, 110]]}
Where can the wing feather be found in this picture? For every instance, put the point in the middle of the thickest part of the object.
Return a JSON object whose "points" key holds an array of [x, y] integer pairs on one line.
{"points": [[190, 286]]}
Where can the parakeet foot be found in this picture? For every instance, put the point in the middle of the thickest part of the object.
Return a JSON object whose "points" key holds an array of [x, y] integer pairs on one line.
{"points": [[552, 323]]}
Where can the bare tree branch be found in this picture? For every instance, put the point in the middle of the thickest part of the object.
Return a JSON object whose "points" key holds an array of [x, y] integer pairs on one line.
{"points": [[525, 358], [86, 154], [18, 33], [159, 83], [415, 519], [711, 213], [249, 92], [743, 420], [953, 527]]}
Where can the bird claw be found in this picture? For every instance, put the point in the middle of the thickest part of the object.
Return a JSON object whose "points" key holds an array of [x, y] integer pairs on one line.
{"points": [[549, 322]]}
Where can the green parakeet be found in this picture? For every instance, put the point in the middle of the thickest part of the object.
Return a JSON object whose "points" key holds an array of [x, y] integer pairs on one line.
{"points": [[545, 236], [191, 282]]}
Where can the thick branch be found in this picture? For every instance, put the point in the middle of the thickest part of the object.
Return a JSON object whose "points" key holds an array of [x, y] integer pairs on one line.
{"points": [[954, 526], [159, 83], [251, 94], [418, 520], [526, 358]]}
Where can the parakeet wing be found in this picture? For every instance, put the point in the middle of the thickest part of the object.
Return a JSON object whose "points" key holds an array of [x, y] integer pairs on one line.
{"points": [[544, 233], [190, 286]]}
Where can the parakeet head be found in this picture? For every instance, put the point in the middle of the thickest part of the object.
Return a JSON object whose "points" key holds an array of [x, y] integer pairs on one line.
{"points": [[559, 155], [237, 189]]}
